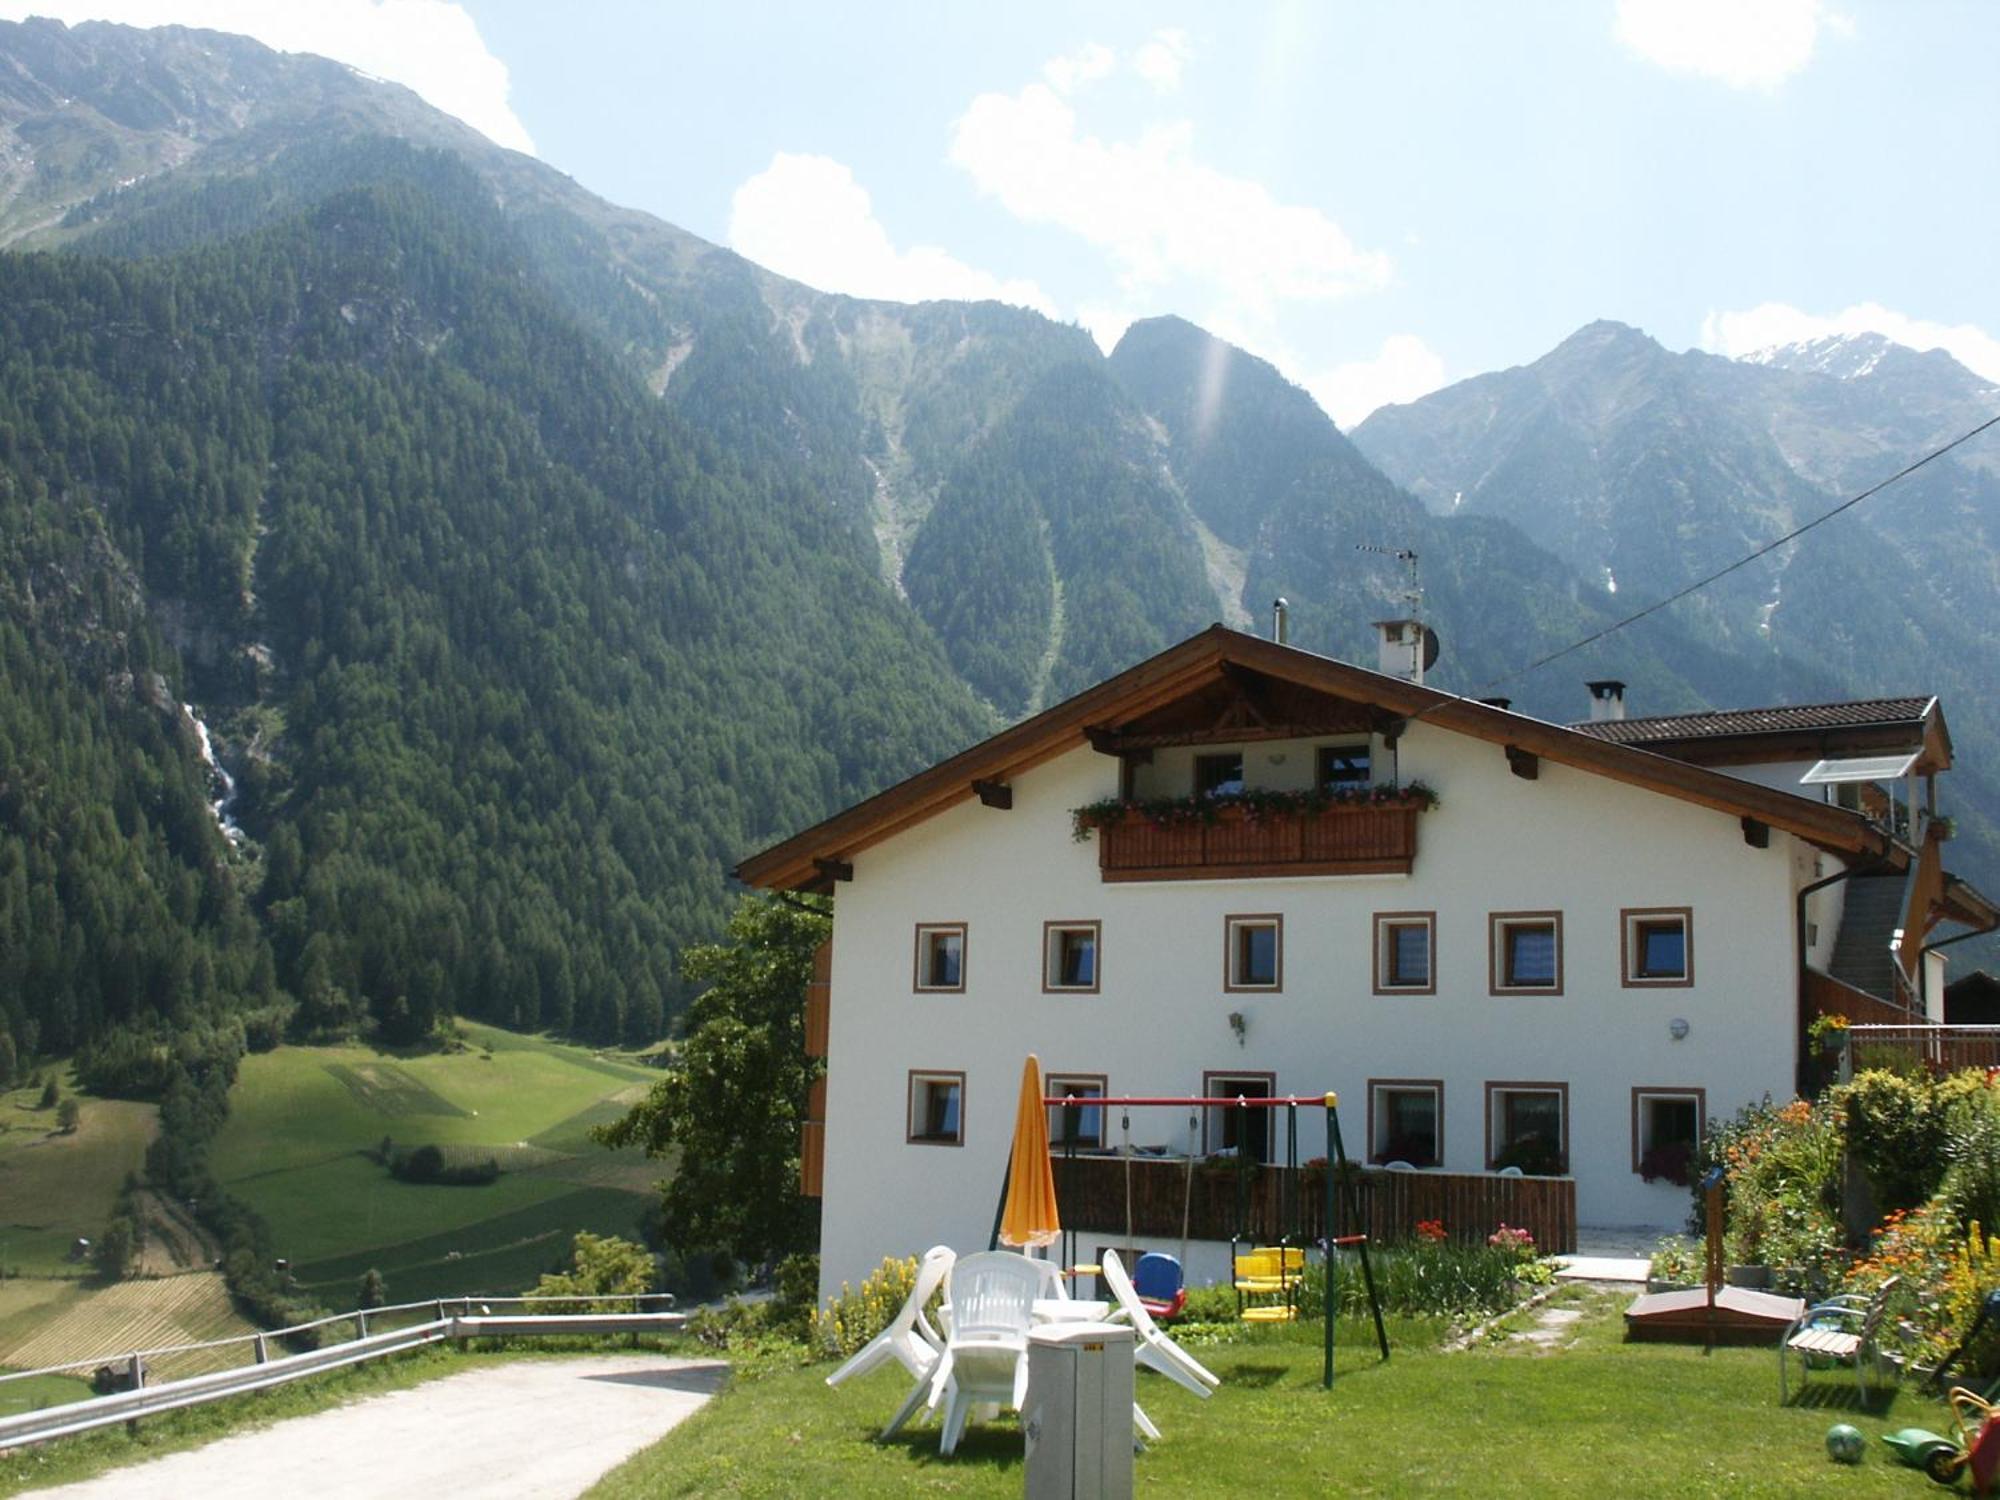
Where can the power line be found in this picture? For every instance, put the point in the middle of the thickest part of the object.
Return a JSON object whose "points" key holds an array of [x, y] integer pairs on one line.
{"points": [[1744, 561]]}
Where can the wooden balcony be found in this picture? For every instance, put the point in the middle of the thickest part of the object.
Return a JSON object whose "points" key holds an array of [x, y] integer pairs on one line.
{"points": [[1362, 839]]}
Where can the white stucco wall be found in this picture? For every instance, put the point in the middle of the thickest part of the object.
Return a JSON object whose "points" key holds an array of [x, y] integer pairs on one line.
{"points": [[1569, 841]]}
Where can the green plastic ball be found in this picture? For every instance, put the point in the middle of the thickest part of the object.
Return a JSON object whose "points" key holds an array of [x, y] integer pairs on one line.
{"points": [[1844, 1443]]}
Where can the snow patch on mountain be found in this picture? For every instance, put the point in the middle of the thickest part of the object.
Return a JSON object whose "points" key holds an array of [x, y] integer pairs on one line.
{"points": [[1845, 356]]}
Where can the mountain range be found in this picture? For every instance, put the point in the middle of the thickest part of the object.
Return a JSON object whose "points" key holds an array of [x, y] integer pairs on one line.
{"points": [[525, 560]]}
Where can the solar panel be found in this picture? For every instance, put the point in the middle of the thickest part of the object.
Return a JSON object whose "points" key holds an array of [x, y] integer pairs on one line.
{"points": [[1860, 768]]}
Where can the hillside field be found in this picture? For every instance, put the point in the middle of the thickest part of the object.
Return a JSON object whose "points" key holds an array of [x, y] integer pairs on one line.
{"points": [[55, 1188], [301, 1119]]}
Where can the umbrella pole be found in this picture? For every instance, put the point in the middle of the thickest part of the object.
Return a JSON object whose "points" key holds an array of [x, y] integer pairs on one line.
{"points": [[1000, 1208]]}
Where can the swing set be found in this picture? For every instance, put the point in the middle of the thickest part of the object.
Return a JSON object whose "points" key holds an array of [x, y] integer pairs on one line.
{"points": [[1266, 1276]]}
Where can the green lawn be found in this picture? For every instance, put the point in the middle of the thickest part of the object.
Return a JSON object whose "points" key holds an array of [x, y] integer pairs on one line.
{"points": [[301, 1117], [1598, 1417], [55, 1187]]}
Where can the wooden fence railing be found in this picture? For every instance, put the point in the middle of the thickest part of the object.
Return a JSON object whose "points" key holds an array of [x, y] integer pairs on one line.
{"points": [[1265, 1202], [1942, 1049]]}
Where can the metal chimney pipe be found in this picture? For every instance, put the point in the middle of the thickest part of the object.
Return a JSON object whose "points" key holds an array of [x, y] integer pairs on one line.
{"points": [[1281, 621]]}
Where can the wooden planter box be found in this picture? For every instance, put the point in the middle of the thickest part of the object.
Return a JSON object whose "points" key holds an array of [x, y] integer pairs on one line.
{"points": [[1360, 839]]}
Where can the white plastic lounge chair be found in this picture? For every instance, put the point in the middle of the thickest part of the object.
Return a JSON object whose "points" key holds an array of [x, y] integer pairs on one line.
{"points": [[992, 1296], [1156, 1351], [909, 1339]]}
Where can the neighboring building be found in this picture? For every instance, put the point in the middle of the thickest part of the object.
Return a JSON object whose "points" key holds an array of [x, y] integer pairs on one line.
{"points": [[1973, 1000], [1580, 954]]}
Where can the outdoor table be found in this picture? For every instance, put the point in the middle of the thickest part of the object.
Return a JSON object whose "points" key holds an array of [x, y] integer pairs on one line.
{"points": [[1069, 1310]]}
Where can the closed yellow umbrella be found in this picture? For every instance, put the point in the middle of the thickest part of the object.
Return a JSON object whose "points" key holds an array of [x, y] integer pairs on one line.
{"points": [[1030, 1217]]}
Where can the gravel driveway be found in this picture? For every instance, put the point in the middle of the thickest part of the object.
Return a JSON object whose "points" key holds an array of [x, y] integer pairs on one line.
{"points": [[535, 1429]]}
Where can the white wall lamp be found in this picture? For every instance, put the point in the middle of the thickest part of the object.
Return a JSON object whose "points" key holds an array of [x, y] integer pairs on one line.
{"points": [[1677, 1028]]}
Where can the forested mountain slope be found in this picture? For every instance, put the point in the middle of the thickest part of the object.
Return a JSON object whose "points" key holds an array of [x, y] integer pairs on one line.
{"points": [[517, 661]]}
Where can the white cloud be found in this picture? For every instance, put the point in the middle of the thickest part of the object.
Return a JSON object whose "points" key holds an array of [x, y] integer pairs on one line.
{"points": [[1405, 369], [1088, 63], [1747, 44], [430, 46], [1774, 323], [1158, 211], [1160, 60], [807, 218]]}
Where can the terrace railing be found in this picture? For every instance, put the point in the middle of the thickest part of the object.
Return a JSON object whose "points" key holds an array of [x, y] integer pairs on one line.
{"points": [[1365, 839], [375, 1332], [1221, 1201], [1942, 1049]]}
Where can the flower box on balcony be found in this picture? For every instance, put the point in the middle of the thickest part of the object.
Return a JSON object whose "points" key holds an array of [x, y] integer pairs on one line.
{"points": [[1253, 836]]}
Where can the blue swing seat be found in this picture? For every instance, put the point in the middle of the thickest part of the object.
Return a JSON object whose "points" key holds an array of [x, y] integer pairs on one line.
{"points": [[1158, 1281]]}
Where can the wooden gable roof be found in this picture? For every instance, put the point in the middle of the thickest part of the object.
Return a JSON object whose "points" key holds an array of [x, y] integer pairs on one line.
{"points": [[1224, 683]]}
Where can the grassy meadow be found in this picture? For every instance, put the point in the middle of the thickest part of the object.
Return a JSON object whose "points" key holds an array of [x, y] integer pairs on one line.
{"points": [[55, 1187], [301, 1119]]}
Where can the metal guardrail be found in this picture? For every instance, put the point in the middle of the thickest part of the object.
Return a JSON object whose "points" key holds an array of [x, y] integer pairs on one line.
{"points": [[453, 1318]]}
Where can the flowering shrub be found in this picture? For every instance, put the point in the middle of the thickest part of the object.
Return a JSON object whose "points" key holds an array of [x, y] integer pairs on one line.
{"points": [[1945, 1274], [1675, 1260], [1512, 1241], [1783, 1194], [1432, 1230], [853, 1318], [1167, 812]]}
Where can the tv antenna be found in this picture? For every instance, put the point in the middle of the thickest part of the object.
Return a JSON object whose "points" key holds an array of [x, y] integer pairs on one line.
{"points": [[1413, 592]]}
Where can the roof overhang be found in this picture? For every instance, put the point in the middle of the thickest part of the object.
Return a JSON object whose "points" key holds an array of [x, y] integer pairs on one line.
{"points": [[801, 862]]}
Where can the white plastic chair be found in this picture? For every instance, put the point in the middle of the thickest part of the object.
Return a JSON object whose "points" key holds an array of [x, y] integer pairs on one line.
{"points": [[992, 1297], [909, 1339], [1156, 1351]]}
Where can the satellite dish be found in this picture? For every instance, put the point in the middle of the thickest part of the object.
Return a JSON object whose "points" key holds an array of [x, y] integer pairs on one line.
{"points": [[1430, 648]]}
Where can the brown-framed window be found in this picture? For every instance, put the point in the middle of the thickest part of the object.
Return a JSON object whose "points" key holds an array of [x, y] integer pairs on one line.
{"points": [[1667, 1126], [1656, 946], [1070, 957], [1406, 1120], [1080, 1126], [1406, 953], [1343, 765], [1245, 1131], [1524, 951], [1218, 775], [1527, 1126], [937, 1108], [1254, 956], [940, 967]]}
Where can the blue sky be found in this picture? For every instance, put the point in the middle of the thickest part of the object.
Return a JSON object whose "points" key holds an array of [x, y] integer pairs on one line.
{"points": [[1378, 198]]}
